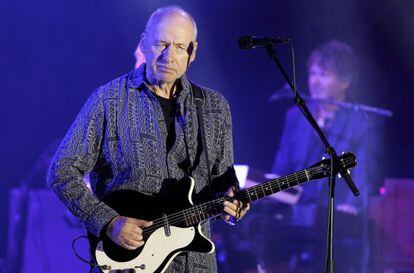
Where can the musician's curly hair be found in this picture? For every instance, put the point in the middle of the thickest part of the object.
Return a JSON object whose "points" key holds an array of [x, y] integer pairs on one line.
{"points": [[337, 56]]}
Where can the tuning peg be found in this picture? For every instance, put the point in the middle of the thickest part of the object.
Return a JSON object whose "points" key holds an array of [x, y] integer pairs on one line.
{"points": [[343, 152], [339, 175], [323, 158], [348, 171]]}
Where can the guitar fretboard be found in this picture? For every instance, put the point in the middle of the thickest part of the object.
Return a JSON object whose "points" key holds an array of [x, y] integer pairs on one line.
{"points": [[199, 213], [213, 208]]}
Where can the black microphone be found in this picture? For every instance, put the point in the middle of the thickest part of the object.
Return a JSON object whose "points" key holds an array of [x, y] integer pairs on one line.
{"points": [[250, 41]]}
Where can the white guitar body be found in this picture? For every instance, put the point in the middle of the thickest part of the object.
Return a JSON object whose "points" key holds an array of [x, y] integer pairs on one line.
{"points": [[154, 252], [164, 243]]}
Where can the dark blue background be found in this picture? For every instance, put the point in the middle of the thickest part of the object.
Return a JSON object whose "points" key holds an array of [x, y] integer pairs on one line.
{"points": [[54, 53]]}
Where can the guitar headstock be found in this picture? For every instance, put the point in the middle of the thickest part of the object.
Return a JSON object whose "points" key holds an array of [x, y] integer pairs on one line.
{"points": [[323, 168]]}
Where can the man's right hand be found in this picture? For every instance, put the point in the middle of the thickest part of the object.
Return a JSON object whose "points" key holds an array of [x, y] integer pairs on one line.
{"points": [[127, 232]]}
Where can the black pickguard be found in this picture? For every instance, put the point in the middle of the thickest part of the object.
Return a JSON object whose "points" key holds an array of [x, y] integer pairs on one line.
{"points": [[141, 206]]}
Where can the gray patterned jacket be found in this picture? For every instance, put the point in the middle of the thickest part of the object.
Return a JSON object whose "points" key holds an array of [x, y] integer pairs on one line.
{"points": [[119, 138]]}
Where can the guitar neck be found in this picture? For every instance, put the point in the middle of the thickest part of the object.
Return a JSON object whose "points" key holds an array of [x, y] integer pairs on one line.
{"points": [[214, 208], [273, 186]]}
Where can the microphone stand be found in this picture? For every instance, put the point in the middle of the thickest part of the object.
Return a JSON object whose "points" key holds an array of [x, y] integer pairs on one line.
{"points": [[336, 168]]}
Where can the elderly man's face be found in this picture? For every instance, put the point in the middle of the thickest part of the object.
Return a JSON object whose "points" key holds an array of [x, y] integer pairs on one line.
{"points": [[326, 84], [169, 47]]}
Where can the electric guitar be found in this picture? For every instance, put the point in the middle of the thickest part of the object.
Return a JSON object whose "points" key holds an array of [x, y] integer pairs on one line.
{"points": [[176, 220]]}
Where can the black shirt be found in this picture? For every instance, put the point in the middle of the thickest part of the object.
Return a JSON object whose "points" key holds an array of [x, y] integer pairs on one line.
{"points": [[169, 108]]}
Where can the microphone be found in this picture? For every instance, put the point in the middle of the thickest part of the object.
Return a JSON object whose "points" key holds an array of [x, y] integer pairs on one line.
{"points": [[250, 41]]}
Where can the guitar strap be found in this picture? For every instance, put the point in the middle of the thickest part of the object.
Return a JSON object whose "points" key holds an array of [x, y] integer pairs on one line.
{"points": [[199, 101]]}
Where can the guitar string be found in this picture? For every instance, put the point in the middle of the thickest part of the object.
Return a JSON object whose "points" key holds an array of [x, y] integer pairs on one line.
{"points": [[195, 211], [192, 212], [278, 183]]}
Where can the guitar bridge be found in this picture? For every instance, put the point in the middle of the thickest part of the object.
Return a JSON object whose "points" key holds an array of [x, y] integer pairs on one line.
{"points": [[167, 228]]}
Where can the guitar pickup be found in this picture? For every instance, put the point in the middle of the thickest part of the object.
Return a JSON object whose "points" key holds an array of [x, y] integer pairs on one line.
{"points": [[167, 228]]}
